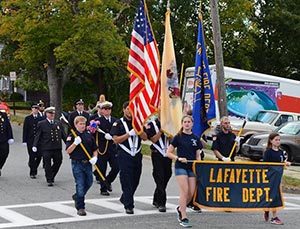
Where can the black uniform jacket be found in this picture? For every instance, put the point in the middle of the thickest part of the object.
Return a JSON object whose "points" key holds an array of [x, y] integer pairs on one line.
{"points": [[5, 128], [30, 128], [49, 136]]}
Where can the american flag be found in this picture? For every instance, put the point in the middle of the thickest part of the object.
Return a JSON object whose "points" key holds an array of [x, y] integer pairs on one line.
{"points": [[143, 64]]}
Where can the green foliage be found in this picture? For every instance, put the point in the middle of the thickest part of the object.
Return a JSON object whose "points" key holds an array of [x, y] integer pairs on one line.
{"points": [[236, 25], [80, 34], [278, 48], [76, 89], [16, 97]]}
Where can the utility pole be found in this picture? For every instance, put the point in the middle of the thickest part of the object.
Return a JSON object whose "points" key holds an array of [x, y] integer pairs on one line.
{"points": [[222, 100]]}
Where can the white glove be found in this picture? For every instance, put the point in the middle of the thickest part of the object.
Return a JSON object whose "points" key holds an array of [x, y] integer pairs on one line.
{"points": [[132, 132], [93, 160], [77, 140], [34, 149], [10, 141], [226, 159], [238, 140], [108, 136], [24, 143]]}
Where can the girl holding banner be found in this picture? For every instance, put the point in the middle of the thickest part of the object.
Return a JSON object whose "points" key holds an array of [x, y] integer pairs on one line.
{"points": [[188, 148], [273, 153]]}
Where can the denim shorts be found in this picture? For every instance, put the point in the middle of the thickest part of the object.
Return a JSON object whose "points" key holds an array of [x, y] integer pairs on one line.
{"points": [[186, 172]]}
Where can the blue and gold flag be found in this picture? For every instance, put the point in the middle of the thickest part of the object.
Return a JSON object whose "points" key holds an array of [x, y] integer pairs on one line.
{"points": [[204, 111]]}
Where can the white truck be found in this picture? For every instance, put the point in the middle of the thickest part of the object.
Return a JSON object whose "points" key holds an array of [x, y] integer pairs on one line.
{"points": [[249, 93]]}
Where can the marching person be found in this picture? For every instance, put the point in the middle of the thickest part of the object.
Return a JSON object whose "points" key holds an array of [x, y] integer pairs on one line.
{"points": [[188, 148], [224, 141], [106, 148], [41, 105], [273, 153], [129, 157], [29, 132], [6, 138], [162, 165], [96, 117], [79, 110], [81, 163], [48, 138]]}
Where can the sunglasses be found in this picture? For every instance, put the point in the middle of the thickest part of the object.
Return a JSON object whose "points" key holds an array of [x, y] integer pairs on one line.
{"points": [[106, 108]]}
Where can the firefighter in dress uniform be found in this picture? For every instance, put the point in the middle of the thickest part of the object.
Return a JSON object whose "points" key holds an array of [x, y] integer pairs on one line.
{"points": [[79, 110], [48, 137], [29, 132], [6, 138], [106, 148]]}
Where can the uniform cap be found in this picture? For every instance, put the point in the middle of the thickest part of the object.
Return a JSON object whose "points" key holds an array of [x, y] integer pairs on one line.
{"points": [[106, 104], [41, 103], [50, 110], [35, 106], [79, 101]]}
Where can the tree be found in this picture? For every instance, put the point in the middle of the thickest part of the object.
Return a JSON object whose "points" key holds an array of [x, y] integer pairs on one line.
{"points": [[278, 48], [65, 38]]}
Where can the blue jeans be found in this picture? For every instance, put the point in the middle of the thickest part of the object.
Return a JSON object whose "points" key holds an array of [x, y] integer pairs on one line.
{"points": [[83, 175]]}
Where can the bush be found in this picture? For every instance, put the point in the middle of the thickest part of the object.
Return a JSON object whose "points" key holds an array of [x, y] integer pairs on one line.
{"points": [[16, 97]]}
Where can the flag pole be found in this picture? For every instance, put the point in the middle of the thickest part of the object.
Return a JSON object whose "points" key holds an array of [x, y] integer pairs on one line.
{"points": [[235, 143], [181, 75]]}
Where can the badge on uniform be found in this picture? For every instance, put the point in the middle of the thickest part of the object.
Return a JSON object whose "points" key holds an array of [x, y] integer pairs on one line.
{"points": [[69, 138], [58, 127], [115, 124], [214, 138]]}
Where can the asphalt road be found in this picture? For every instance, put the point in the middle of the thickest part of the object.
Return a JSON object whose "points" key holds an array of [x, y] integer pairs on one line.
{"points": [[24, 201]]}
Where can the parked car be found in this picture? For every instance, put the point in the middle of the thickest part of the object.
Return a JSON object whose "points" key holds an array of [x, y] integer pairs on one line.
{"points": [[262, 121], [4, 107], [290, 142]]}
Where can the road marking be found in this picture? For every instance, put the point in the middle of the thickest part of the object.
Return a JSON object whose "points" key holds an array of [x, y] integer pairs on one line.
{"points": [[12, 218]]}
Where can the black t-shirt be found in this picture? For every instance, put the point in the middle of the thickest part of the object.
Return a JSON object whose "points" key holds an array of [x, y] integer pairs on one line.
{"points": [[223, 143], [271, 155], [187, 145], [87, 140]]}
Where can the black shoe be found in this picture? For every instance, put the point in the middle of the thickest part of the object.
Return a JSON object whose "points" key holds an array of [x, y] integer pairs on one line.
{"points": [[155, 204], [32, 176], [162, 209], [50, 184], [179, 215], [129, 211], [75, 202], [104, 193], [109, 188], [121, 200], [0, 172], [196, 209]]}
